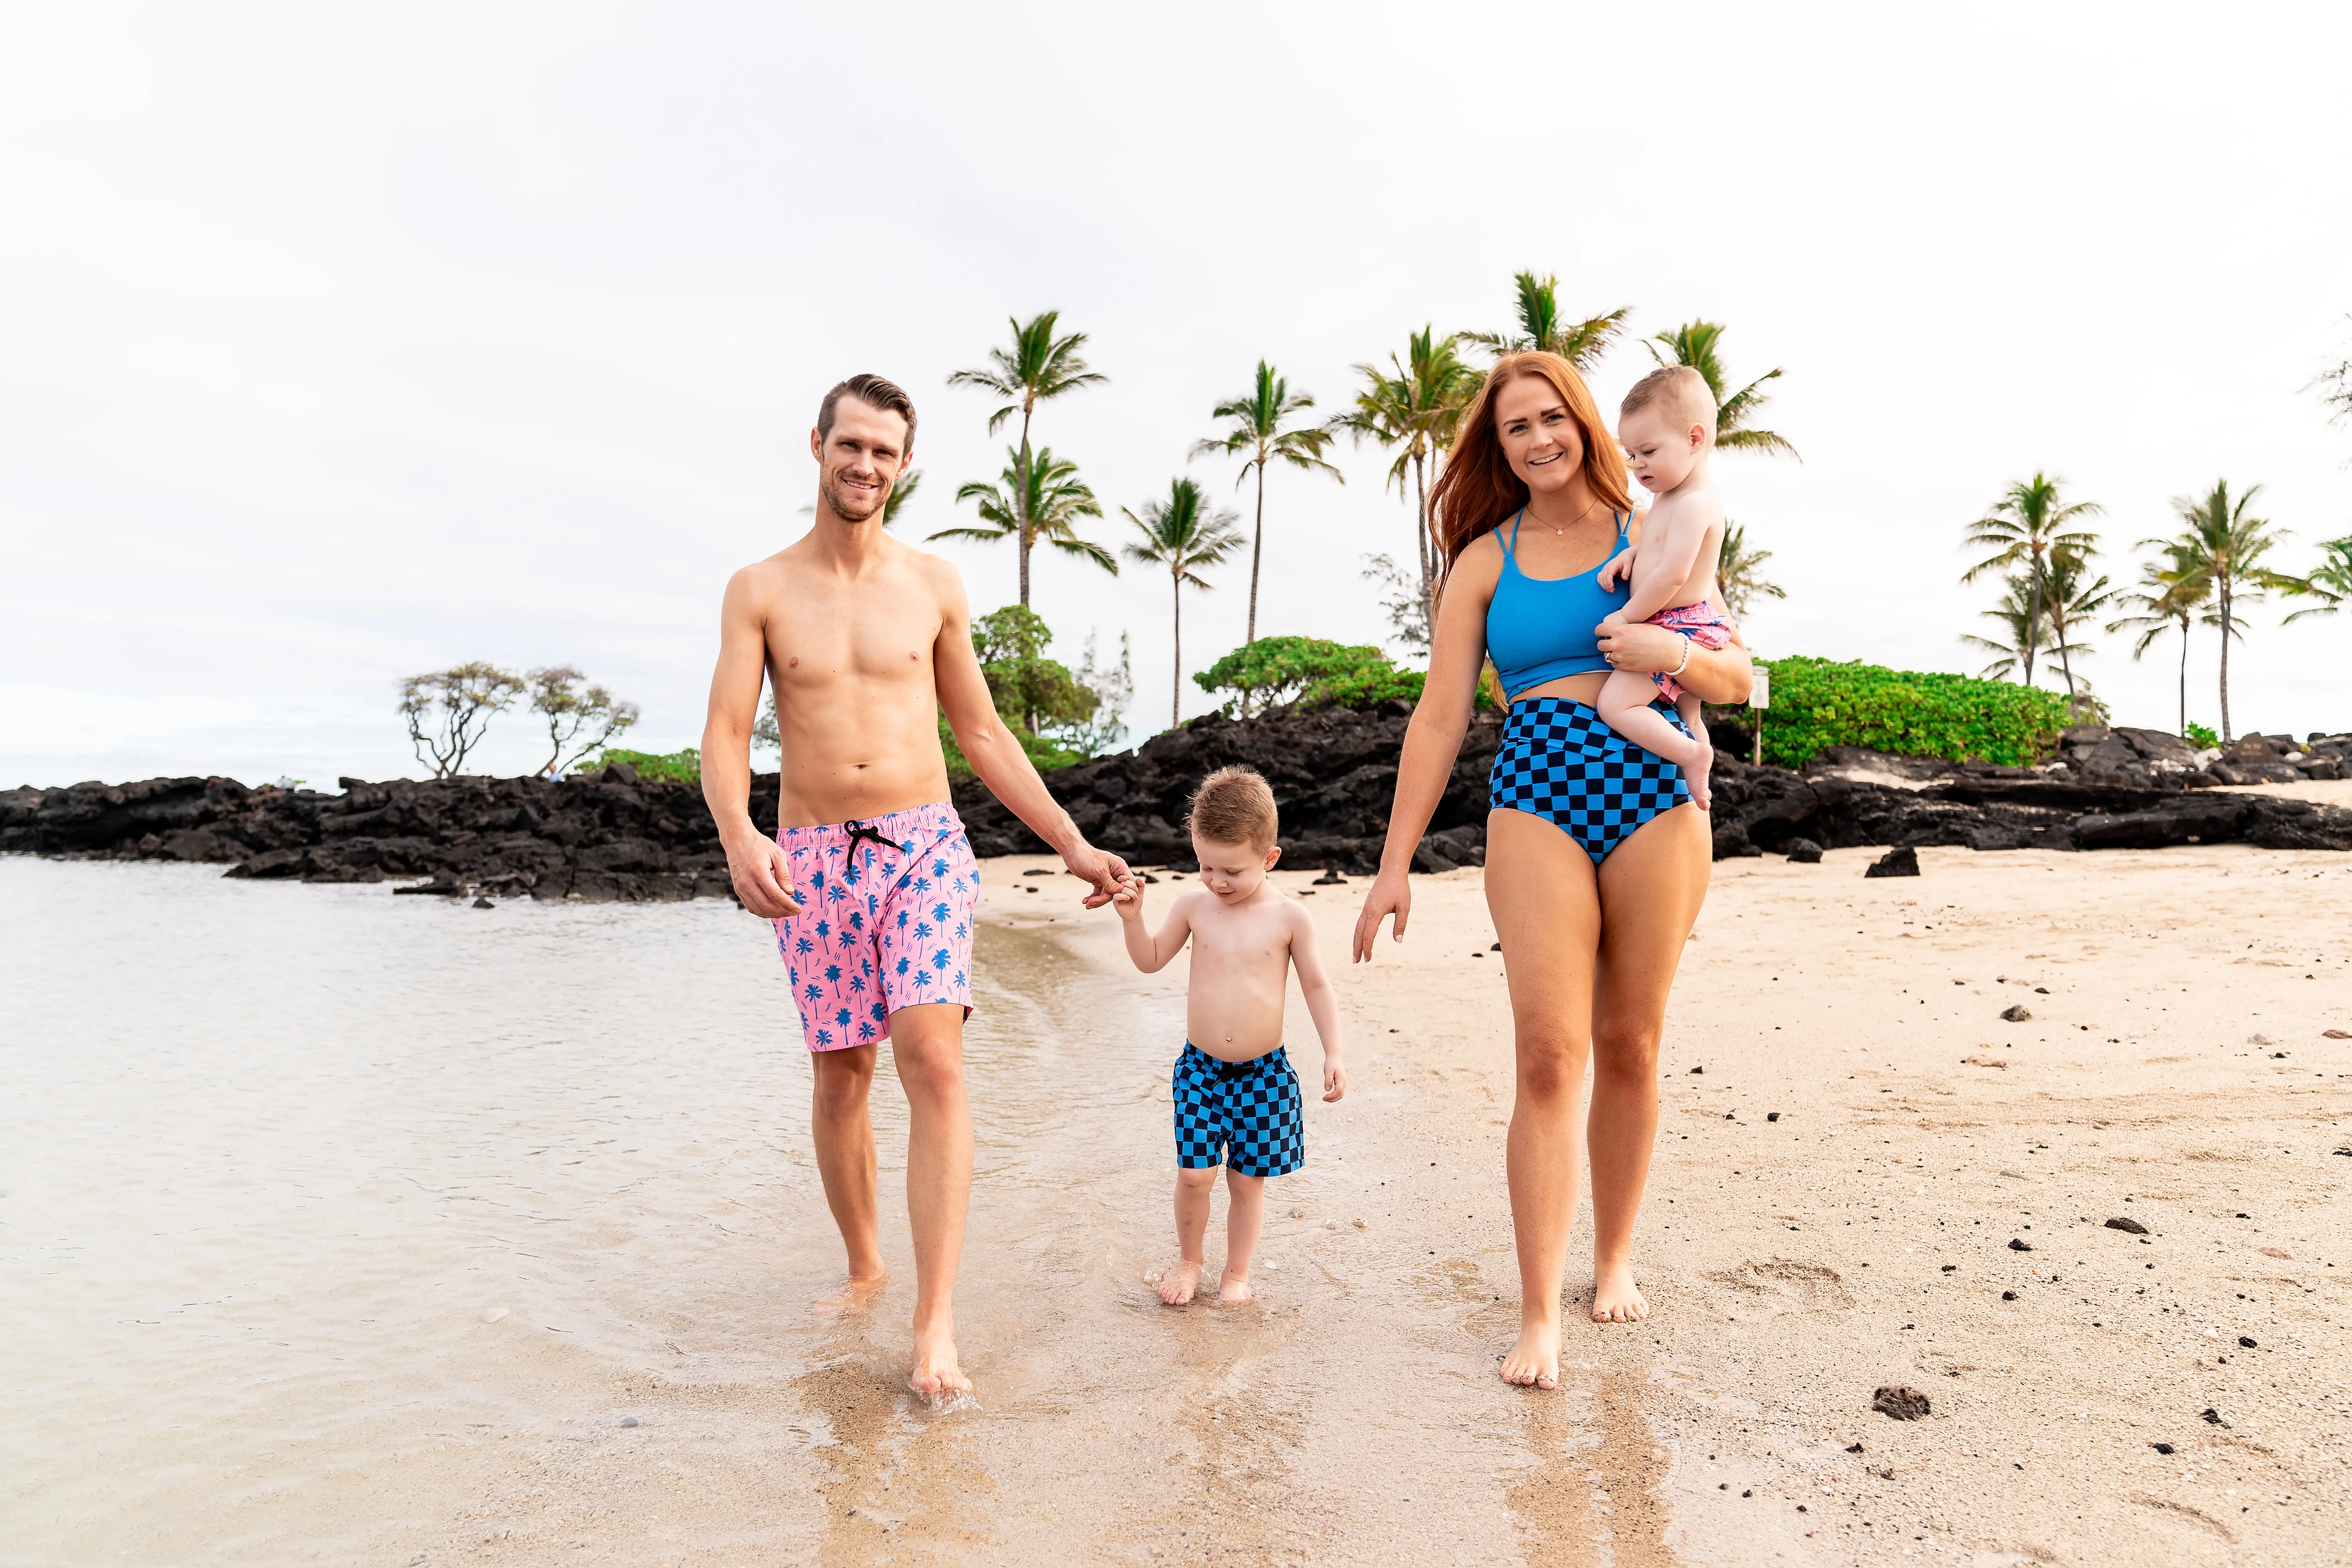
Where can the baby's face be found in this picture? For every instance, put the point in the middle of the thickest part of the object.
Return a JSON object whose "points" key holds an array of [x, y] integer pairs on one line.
{"points": [[1233, 871], [1660, 455]]}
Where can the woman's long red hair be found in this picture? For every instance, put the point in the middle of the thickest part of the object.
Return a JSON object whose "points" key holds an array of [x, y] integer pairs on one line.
{"points": [[1477, 492]]}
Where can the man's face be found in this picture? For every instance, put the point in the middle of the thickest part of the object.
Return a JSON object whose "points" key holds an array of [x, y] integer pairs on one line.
{"points": [[861, 458]]}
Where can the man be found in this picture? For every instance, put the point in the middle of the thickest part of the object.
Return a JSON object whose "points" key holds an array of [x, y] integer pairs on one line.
{"points": [[871, 880]]}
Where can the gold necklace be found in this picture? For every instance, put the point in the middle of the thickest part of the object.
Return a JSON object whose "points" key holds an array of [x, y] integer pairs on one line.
{"points": [[1562, 531]]}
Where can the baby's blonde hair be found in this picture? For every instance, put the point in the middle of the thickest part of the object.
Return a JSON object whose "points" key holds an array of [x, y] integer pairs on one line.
{"points": [[1680, 391], [1235, 805]]}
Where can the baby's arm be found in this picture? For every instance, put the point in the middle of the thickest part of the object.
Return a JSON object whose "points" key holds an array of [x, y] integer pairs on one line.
{"points": [[1666, 559], [1322, 999], [1151, 952]]}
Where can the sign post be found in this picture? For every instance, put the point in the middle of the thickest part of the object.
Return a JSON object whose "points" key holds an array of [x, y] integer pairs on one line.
{"points": [[1760, 698]]}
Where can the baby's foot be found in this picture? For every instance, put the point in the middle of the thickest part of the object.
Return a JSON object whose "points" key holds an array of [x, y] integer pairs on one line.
{"points": [[1176, 1286], [851, 1300], [1695, 774], [1615, 1299], [1235, 1289], [936, 1376], [1534, 1361]]}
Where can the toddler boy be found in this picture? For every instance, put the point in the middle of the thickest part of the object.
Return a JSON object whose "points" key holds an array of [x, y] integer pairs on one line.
{"points": [[1237, 1100]]}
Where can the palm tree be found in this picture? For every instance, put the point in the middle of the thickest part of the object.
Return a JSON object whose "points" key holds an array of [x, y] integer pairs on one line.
{"points": [[1581, 344], [1414, 406], [2171, 592], [1695, 343], [1257, 430], [2027, 631], [2023, 527], [2074, 598], [1039, 366], [1047, 514], [1738, 573], [901, 493], [2331, 584], [1182, 533], [2227, 546]]}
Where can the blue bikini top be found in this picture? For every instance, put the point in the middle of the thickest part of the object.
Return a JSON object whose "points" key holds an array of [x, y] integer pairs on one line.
{"points": [[1540, 629]]}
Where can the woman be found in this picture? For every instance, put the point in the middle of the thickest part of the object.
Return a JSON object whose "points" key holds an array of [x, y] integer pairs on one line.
{"points": [[1596, 859]]}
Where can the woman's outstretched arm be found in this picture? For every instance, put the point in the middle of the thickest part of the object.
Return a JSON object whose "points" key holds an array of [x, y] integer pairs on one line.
{"points": [[1457, 651]]}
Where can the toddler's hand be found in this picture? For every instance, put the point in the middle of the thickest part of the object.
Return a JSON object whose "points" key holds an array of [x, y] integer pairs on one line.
{"points": [[1127, 897], [1619, 564], [1335, 1079]]}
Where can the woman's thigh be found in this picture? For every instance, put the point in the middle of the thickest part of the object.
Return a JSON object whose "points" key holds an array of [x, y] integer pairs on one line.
{"points": [[1541, 892], [1651, 887]]}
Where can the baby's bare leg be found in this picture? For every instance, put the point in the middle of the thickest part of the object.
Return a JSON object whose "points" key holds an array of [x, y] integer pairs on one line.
{"points": [[1245, 1217], [1695, 771], [1624, 707], [1181, 1277]]}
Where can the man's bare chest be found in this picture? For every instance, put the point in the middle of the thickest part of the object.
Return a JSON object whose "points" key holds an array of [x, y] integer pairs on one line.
{"points": [[822, 634]]}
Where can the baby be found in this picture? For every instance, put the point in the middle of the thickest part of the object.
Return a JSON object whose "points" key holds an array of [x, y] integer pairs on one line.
{"points": [[1667, 428], [1237, 1101]]}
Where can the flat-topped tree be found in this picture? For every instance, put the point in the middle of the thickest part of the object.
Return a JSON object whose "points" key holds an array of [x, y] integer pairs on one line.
{"points": [[1260, 436], [448, 710], [1038, 367], [580, 720]]}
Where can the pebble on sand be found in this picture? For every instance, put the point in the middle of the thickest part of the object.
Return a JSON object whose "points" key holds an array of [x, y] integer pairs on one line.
{"points": [[2212, 1417], [628, 1420], [1804, 852], [2247, 1342], [2017, 1246], [2016, 1014], [2276, 1252], [484, 904], [2009, 1294], [2161, 1447], [2127, 1224], [1900, 1403], [2336, 1034], [1984, 1062], [1903, 862]]}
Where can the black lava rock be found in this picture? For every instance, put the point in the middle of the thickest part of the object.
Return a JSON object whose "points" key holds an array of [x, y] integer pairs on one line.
{"points": [[1804, 852], [2127, 1223], [2016, 1014], [2017, 1246], [1902, 1404], [1898, 862]]}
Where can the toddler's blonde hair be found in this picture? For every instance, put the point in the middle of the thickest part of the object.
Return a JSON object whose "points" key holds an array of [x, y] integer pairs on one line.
{"points": [[1235, 805], [1681, 393]]}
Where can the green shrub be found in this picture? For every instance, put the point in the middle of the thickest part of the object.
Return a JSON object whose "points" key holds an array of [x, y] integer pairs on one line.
{"points": [[679, 767], [1043, 753], [1272, 671], [1818, 703], [1369, 688], [2199, 736]]}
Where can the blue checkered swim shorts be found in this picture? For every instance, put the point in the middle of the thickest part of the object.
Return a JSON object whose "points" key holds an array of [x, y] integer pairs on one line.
{"points": [[1243, 1115], [1558, 761]]}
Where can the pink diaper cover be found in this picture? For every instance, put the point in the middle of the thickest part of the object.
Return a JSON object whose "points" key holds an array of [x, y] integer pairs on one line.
{"points": [[1703, 623]]}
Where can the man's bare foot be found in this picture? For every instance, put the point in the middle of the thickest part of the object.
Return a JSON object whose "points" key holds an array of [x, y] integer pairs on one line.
{"points": [[1177, 1285], [1615, 1299], [1534, 1361], [1235, 1289], [937, 1377], [852, 1299], [1695, 773]]}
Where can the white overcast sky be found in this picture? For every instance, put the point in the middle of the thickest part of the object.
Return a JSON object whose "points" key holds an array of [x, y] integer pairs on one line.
{"points": [[339, 342]]}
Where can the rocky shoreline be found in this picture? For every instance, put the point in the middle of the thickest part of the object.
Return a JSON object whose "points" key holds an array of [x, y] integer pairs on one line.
{"points": [[614, 838]]}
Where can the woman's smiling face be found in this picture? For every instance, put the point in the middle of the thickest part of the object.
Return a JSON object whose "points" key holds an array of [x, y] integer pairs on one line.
{"points": [[1539, 438]]}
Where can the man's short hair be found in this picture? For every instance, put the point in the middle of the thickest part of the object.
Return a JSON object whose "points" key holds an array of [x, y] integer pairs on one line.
{"points": [[1681, 393], [876, 392], [1235, 805]]}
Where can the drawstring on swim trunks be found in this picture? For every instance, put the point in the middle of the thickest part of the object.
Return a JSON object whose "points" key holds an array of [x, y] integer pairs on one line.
{"points": [[859, 832]]}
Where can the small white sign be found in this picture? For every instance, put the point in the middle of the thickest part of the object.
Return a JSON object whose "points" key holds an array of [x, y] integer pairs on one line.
{"points": [[1760, 694]]}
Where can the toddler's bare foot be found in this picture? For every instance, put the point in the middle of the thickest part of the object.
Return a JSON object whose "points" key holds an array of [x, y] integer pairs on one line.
{"points": [[1534, 1361], [852, 1299], [1615, 1297], [936, 1376], [1694, 774], [1235, 1289], [1177, 1285]]}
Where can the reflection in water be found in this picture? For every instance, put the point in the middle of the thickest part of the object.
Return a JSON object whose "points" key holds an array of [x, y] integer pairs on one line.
{"points": [[345, 1224]]}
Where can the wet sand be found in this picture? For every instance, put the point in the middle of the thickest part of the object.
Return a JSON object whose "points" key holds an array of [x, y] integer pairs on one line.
{"points": [[1352, 1414]]}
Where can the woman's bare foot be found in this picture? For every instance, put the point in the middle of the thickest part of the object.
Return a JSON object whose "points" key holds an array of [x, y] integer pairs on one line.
{"points": [[1615, 1299], [1177, 1285], [937, 1377], [1235, 1289], [852, 1299], [1534, 1361]]}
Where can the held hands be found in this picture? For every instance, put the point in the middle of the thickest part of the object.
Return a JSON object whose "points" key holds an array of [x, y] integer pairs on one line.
{"points": [[1129, 899], [763, 877], [1389, 896], [1617, 565], [1107, 872]]}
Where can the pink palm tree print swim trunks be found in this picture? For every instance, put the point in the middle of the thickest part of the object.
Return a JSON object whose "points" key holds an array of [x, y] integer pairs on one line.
{"points": [[885, 921]]}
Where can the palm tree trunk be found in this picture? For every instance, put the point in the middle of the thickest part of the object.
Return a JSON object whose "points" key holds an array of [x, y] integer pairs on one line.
{"points": [[2066, 667], [1257, 543], [2032, 622], [2184, 676], [1176, 680], [1021, 500], [2225, 661], [1420, 537]]}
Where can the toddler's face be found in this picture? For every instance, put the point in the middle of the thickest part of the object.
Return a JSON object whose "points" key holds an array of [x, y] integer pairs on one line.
{"points": [[1660, 455], [1233, 871]]}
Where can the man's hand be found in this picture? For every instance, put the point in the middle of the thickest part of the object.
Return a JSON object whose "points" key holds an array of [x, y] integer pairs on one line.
{"points": [[763, 877], [1128, 899], [1620, 562], [1334, 1077], [1106, 872]]}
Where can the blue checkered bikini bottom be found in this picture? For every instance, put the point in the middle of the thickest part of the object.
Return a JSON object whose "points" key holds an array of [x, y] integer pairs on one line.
{"points": [[1558, 761], [1243, 1115]]}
